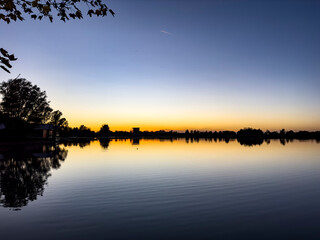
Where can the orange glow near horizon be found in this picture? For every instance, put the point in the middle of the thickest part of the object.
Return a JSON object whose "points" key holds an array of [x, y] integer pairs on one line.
{"points": [[180, 116], [201, 126]]}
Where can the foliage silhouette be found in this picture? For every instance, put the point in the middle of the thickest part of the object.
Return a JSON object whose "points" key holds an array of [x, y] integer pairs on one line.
{"points": [[104, 130], [24, 101], [81, 132], [57, 120], [250, 136], [5, 59]]}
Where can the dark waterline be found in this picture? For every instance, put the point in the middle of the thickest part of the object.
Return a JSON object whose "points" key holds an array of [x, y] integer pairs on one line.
{"points": [[160, 189]]}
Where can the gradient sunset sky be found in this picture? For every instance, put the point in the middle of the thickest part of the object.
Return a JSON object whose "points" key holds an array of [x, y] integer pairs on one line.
{"points": [[178, 64]]}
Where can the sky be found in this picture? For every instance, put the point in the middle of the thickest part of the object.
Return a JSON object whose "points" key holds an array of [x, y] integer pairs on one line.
{"points": [[178, 64]]}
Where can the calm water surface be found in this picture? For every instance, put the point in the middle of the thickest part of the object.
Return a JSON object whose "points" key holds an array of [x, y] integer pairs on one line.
{"points": [[151, 189]]}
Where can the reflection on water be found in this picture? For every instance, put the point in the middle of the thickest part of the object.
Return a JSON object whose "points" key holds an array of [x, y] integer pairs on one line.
{"points": [[77, 142], [24, 170], [248, 142], [162, 189], [135, 141], [104, 143]]}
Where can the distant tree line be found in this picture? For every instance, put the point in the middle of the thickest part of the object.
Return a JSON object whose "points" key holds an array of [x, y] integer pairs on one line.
{"points": [[245, 134], [24, 106]]}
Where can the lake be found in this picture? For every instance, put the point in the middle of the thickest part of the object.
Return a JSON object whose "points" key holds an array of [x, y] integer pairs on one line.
{"points": [[161, 189]]}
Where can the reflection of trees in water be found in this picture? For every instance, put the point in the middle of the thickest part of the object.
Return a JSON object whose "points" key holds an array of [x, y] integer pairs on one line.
{"points": [[24, 171], [76, 142], [245, 141], [250, 141], [104, 143]]}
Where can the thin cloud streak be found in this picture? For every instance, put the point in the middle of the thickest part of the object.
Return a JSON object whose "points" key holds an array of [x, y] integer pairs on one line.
{"points": [[165, 32]]}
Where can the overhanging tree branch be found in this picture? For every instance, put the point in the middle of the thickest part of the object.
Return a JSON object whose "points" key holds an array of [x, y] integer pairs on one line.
{"points": [[17, 10]]}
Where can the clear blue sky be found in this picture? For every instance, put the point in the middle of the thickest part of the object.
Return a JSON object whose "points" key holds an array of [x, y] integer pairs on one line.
{"points": [[174, 64]]}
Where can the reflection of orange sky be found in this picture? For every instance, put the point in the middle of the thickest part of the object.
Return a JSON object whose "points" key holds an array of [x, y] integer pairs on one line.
{"points": [[205, 146], [155, 160], [122, 151]]}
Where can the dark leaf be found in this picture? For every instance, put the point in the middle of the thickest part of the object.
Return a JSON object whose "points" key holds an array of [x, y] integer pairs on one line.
{"points": [[9, 5], [6, 62], [5, 69], [12, 58], [90, 12], [4, 52], [13, 17]]}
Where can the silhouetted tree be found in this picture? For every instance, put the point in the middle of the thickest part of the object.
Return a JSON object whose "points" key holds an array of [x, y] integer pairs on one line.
{"points": [[104, 130], [85, 132], [59, 123], [24, 101], [283, 133], [13, 10], [57, 120], [250, 132], [84, 128], [250, 136]]}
